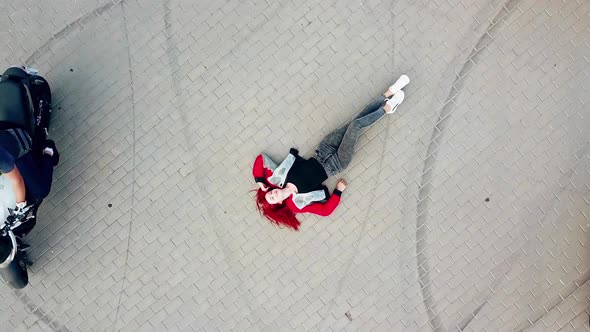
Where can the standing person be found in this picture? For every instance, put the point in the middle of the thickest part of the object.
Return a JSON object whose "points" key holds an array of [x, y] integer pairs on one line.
{"points": [[295, 186]]}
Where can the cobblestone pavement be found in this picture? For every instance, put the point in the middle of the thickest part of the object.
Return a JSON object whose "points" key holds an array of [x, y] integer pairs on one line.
{"points": [[467, 210]]}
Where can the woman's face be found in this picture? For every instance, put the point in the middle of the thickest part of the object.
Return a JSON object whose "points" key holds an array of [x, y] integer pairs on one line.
{"points": [[274, 196]]}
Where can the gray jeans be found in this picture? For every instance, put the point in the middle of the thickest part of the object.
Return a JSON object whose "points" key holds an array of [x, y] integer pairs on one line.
{"points": [[335, 150]]}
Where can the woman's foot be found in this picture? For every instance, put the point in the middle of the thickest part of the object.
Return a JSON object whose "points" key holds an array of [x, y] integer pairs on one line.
{"points": [[401, 82], [391, 104]]}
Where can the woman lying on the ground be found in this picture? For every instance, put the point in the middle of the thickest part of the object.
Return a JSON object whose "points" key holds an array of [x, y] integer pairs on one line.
{"points": [[295, 186]]}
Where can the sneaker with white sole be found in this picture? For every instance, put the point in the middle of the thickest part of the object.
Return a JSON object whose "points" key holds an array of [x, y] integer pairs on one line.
{"points": [[395, 101], [401, 82]]}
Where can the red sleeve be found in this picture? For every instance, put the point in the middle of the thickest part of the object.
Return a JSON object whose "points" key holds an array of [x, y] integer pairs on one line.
{"points": [[317, 208], [258, 169]]}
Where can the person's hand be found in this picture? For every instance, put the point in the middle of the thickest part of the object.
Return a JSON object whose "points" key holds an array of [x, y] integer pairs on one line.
{"points": [[341, 185], [263, 186]]}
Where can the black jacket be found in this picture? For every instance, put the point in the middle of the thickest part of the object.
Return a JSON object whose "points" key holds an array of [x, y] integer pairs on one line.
{"points": [[306, 174]]}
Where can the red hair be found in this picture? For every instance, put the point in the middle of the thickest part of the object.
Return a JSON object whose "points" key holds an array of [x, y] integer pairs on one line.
{"points": [[278, 214]]}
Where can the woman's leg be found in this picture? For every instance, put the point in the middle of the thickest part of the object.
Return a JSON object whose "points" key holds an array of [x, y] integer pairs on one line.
{"points": [[38, 174], [373, 105], [352, 133], [335, 150], [329, 145]]}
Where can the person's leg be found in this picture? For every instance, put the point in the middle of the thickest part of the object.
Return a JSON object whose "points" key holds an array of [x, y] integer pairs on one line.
{"points": [[329, 145], [335, 150], [45, 164], [374, 105], [37, 172], [352, 133]]}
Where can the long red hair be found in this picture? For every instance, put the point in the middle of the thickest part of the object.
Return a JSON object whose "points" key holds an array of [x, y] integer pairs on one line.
{"points": [[278, 214]]}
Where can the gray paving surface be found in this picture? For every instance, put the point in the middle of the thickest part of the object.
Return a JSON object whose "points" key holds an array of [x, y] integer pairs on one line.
{"points": [[469, 209]]}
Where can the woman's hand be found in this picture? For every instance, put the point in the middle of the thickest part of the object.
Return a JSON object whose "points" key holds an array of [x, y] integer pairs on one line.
{"points": [[262, 186], [341, 185]]}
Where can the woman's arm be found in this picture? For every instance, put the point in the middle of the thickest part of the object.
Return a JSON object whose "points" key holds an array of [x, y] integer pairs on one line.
{"points": [[262, 186], [258, 169], [324, 209], [259, 172], [320, 209], [18, 184], [8, 168]]}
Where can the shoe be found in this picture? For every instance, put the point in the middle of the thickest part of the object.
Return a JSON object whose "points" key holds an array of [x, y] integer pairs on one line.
{"points": [[401, 82], [395, 101], [50, 147]]}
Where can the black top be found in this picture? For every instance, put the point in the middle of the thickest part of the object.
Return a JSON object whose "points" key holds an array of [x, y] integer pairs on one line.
{"points": [[306, 174]]}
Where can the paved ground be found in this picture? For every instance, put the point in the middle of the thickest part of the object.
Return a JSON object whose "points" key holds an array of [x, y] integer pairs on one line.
{"points": [[467, 210]]}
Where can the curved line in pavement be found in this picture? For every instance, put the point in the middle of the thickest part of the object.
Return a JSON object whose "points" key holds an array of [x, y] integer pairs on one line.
{"points": [[38, 312], [24, 298], [425, 188], [68, 28]]}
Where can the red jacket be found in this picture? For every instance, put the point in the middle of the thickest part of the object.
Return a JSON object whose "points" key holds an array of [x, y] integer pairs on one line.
{"points": [[322, 209], [265, 171]]}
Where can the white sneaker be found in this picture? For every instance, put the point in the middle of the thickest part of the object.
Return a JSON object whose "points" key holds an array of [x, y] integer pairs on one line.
{"points": [[395, 101], [401, 82]]}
